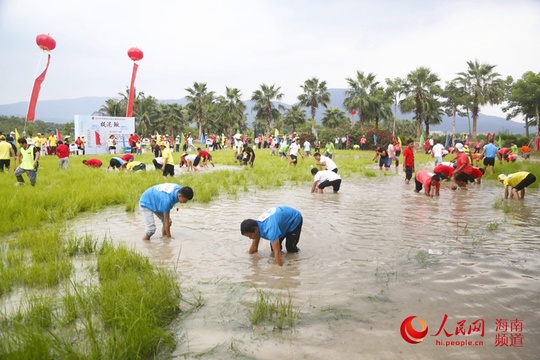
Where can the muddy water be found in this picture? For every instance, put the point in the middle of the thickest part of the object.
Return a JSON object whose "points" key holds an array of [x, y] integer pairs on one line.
{"points": [[371, 256]]}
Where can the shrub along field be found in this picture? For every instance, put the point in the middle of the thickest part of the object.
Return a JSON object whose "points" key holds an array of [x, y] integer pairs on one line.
{"points": [[70, 296]]}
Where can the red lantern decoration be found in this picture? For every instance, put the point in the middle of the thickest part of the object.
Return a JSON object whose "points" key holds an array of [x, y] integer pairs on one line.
{"points": [[45, 42], [135, 54], [353, 112]]}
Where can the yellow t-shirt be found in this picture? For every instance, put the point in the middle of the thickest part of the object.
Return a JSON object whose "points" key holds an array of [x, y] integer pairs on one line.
{"points": [[130, 165], [52, 140], [27, 162], [514, 179], [5, 150], [167, 156]]}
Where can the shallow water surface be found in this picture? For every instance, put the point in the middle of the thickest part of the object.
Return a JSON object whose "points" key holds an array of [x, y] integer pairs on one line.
{"points": [[371, 256]]}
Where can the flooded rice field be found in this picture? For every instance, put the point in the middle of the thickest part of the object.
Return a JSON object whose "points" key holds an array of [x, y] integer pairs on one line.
{"points": [[466, 264]]}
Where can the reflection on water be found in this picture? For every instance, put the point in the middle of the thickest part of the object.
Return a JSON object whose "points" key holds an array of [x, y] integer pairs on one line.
{"points": [[370, 256]]}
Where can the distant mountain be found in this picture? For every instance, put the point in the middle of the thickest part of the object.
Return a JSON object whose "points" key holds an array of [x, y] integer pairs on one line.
{"points": [[62, 111]]}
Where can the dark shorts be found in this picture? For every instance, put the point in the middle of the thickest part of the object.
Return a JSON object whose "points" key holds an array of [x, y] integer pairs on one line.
{"points": [[292, 238], [529, 179], [141, 166], [442, 175], [408, 172], [4, 163], [464, 177], [168, 170], [489, 161], [384, 162], [336, 184], [418, 185], [114, 163], [156, 164], [294, 158], [197, 161]]}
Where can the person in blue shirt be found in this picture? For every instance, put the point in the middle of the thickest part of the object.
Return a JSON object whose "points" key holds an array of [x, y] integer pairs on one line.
{"points": [[159, 200], [489, 152], [275, 224]]}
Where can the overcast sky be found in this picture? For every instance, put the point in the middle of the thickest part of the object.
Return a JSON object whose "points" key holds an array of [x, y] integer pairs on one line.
{"points": [[245, 43]]}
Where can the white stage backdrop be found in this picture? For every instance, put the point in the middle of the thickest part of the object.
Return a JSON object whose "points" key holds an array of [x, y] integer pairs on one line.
{"points": [[97, 129]]}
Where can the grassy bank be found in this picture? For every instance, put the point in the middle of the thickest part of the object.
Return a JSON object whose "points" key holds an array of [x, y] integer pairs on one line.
{"points": [[66, 295]]}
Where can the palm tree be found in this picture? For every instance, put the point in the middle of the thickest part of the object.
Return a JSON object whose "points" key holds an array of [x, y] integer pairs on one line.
{"points": [[335, 118], [113, 107], [265, 108], [419, 87], [358, 94], [231, 110], [172, 119], [146, 112], [315, 94], [454, 99], [486, 87], [294, 117], [379, 107], [433, 113], [199, 103]]}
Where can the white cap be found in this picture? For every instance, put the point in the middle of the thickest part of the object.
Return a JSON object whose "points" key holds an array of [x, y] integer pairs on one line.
{"points": [[459, 147], [501, 177]]}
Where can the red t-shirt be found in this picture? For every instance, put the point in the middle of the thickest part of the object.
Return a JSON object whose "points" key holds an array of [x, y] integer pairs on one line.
{"points": [[444, 169], [93, 162], [62, 151], [476, 173], [424, 177], [408, 156], [463, 158], [127, 157], [204, 154]]}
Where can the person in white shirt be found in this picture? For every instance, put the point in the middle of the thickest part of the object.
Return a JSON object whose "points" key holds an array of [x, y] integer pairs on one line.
{"points": [[294, 148], [437, 152], [307, 148], [325, 161], [325, 178]]}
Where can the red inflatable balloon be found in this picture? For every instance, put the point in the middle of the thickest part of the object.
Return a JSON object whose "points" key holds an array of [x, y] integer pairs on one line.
{"points": [[45, 42], [135, 54], [353, 112]]}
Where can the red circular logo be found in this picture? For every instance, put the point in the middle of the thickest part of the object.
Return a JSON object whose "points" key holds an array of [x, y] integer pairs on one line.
{"points": [[409, 334]]}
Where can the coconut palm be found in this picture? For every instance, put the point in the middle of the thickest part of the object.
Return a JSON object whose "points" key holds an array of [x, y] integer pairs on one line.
{"points": [[199, 104], [358, 96], [454, 100], [419, 87], [294, 117], [486, 87], [172, 119], [315, 94], [146, 112], [231, 111], [267, 112], [393, 89], [379, 106], [335, 118], [113, 107]]}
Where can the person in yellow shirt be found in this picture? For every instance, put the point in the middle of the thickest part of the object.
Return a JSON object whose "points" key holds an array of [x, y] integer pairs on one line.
{"points": [[168, 161], [516, 183], [6, 153], [135, 166], [52, 144]]}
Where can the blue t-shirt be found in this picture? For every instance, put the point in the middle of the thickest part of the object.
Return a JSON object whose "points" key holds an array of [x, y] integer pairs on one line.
{"points": [[490, 150], [278, 221], [160, 198]]}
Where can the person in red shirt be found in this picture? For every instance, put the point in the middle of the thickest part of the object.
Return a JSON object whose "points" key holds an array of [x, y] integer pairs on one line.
{"points": [[205, 156], [503, 154], [477, 174], [408, 160], [463, 172], [444, 171], [62, 150], [127, 157], [96, 163], [427, 180]]}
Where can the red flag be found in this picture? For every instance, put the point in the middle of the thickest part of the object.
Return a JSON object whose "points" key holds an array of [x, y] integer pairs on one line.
{"points": [[129, 111], [35, 92], [98, 138], [58, 135]]}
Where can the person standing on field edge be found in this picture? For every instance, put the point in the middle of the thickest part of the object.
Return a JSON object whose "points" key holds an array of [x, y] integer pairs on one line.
{"points": [[408, 160], [159, 200], [6, 153], [275, 224]]}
